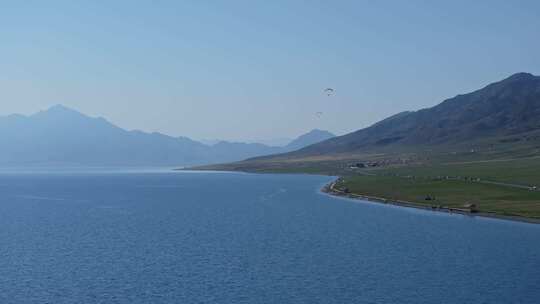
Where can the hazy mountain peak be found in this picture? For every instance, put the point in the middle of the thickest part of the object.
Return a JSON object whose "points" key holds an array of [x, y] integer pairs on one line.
{"points": [[319, 131], [312, 137], [60, 111], [522, 76], [58, 108]]}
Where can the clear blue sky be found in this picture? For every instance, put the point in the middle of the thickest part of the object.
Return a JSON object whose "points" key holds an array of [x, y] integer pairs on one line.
{"points": [[243, 70]]}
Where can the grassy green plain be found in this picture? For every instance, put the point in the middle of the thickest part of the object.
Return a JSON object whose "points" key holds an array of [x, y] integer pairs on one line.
{"points": [[496, 181], [415, 184]]}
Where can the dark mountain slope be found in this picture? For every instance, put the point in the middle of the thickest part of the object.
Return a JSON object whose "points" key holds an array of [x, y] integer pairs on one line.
{"points": [[511, 106]]}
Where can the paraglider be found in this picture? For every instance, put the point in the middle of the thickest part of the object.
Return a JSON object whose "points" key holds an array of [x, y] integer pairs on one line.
{"points": [[329, 91], [319, 114]]}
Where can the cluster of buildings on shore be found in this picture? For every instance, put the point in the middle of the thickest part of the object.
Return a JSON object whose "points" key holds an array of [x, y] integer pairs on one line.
{"points": [[380, 163]]}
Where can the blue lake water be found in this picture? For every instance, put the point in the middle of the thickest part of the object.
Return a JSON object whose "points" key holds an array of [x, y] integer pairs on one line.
{"points": [[160, 237]]}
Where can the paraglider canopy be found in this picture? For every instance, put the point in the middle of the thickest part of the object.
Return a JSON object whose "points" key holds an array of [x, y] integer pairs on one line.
{"points": [[329, 91]]}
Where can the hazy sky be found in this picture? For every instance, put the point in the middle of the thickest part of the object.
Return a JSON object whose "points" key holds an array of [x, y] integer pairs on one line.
{"points": [[243, 70]]}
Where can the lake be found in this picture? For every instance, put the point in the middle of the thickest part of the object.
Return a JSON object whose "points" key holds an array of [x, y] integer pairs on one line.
{"points": [[175, 237]]}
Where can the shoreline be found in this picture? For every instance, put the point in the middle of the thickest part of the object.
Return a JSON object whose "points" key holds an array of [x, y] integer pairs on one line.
{"points": [[331, 190]]}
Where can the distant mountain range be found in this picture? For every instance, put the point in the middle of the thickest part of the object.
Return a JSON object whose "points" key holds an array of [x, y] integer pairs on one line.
{"points": [[272, 142], [502, 111], [62, 136], [310, 138]]}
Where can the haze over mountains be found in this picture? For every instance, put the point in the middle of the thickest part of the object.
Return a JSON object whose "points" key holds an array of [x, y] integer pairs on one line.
{"points": [[508, 110], [61, 135], [310, 138]]}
